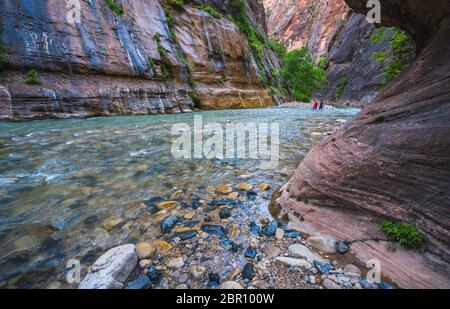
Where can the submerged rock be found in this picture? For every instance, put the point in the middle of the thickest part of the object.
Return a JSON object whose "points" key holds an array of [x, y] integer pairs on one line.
{"points": [[214, 229], [112, 269], [250, 253], [330, 285], [248, 272], [154, 275], [269, 230], [214, 279], [141, 282], [168, 223], [185, 235], [225, 213], [144, 250]]}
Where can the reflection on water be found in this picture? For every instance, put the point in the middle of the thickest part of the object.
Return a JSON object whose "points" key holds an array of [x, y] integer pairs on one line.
{"points": [[61, 179]]}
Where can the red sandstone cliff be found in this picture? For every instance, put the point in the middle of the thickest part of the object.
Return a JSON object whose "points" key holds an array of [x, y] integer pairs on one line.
{"points": [[105, 65], [392, 161], [333, 30]]}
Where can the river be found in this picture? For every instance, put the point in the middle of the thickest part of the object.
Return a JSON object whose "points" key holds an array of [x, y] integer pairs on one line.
{"points": [[61, 179]]}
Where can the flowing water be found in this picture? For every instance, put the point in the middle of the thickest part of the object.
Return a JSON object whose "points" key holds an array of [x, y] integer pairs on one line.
{"points": [[60, 180]]}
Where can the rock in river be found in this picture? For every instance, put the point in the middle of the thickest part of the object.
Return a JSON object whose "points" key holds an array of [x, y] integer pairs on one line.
{"points": [[250, 253], [175, 263], [270, 229], [185, 235], [214, 279], [248, 272], [112, 269], [154, 275], [231, 285], [293, 262], [326, 245], [168, 223], [225, 213], [144, 250], [141, 282], [214, 229], [342, 247], [330, 285]]}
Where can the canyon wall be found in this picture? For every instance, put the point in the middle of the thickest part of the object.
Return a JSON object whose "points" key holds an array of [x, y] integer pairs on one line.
{"points": [[112, 64], [331, 29], [392, 161]]}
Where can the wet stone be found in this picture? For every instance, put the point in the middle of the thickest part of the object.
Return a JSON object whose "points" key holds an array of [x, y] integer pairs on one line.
{"points": [[142, 282], [248, 272], [341, 247], [224, 213], [185, 235], [250, 253], [154, 275], [154, 201], [255, 228], [323, 268], [168, 223], [217, 230], [270, 229], [214, 279], [252, 195]]}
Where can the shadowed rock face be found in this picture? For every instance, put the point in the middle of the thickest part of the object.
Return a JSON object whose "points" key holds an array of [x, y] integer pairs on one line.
{"points": [[101, 66], [393, 160], [331, 29]]}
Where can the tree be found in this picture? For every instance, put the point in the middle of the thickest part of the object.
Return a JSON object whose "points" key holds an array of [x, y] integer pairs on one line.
{"points": [[302, 74]]}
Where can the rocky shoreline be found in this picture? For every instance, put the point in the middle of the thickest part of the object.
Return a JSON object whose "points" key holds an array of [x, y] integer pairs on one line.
{"points": [[207, 245]]}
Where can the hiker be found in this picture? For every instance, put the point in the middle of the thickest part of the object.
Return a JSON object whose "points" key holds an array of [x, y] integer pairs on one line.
{"points": [[321, 105], [315, 105]]}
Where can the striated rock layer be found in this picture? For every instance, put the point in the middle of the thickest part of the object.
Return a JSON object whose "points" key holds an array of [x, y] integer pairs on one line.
{"points": [[392, 161], [105, 65]]}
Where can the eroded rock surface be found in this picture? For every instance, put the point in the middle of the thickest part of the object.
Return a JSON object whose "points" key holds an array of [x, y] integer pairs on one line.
{"points": [[392, 160], [110, 65]]}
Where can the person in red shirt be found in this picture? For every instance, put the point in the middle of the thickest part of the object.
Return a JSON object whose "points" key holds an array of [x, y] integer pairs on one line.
{"points": [[315, 105]]}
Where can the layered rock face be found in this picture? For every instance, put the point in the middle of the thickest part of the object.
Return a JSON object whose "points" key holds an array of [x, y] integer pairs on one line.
{"points": [[392, 161], [104, 65], [331, 29]]}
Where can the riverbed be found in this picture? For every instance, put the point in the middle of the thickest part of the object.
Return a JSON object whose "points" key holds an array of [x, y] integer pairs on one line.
{"points": [[72, 189]]}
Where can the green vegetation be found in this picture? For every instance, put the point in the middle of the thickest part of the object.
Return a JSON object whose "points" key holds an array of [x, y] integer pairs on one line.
{"points": [[223, 79], [164, 63], [169, 18], [407, 235], [209, 10], [115, 7], [238, 11], [302, 74], [277, 47], [3, 59], [32, 78], [343, 82], [403, 52]]}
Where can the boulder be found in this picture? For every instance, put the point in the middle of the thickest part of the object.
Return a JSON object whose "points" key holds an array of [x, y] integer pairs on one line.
{"points": [[112, 269]]}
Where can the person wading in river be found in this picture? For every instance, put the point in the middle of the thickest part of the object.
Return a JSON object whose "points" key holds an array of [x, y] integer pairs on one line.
{"points": [[321, 105], [315, 105]]}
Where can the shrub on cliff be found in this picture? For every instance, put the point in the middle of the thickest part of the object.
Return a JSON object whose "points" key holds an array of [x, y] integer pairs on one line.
{"points": [[403, 52], [32, 78], [302, 74], [407, 235], [115, 7]]}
